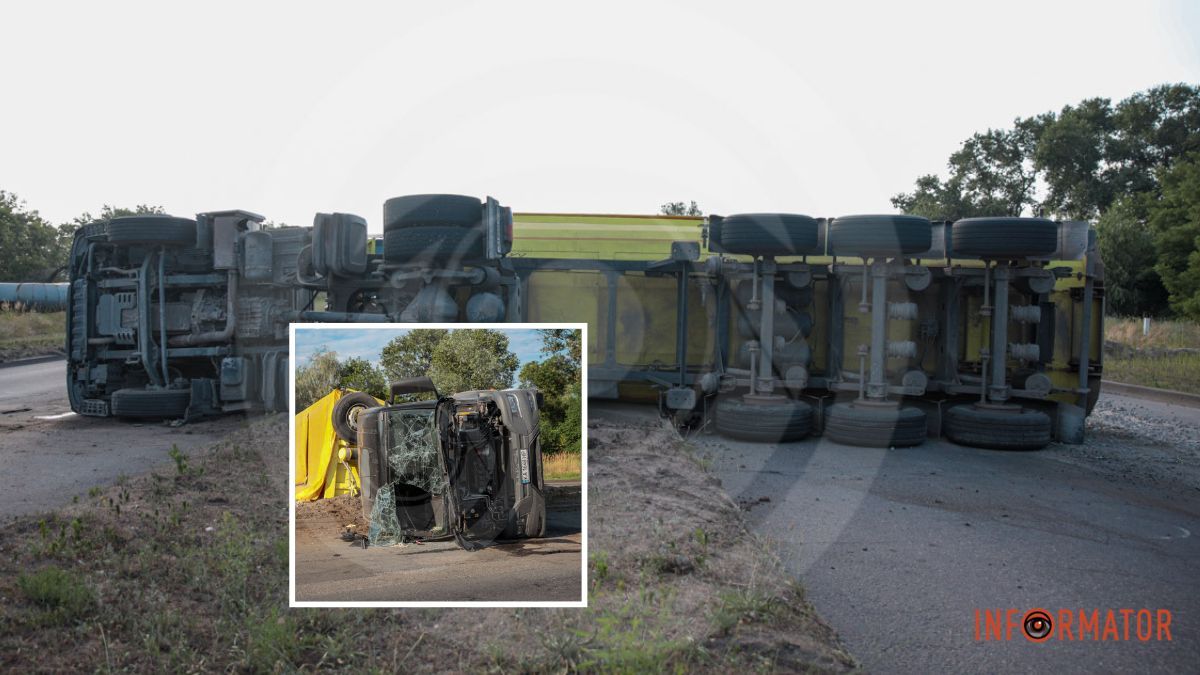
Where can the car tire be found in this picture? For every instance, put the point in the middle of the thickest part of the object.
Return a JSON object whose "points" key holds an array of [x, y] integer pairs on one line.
{"points": [[432, 211], [150, 403], [152, 229], [432, 244], [1003, 238], [771, 234], [875, 427], [1021, 429], [771, 423], [879, 235], [345, 414]]}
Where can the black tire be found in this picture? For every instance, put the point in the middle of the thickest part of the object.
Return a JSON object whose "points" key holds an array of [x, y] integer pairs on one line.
{"points": [[150, 403], [432, 211], [875, 427], [345, 414], [771, 234], [881, 235], [772, 423], [1025, 429], [432, 244], [152, 229], [1003, 238]]}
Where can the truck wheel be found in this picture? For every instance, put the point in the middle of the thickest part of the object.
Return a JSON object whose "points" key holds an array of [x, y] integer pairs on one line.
{"points": [[883, 235], [150, 403], [1016, 429], [432, 211], [772, 423], [771, 234], [346, 412], [875, 427], [1001, 238], [432, 244], [152, 229]]}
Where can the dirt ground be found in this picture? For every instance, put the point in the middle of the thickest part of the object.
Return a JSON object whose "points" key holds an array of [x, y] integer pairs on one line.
{"points": [[185, 569]]}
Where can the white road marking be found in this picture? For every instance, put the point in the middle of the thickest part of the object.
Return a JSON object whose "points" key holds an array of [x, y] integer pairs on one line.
{"points": [[53, 417]]}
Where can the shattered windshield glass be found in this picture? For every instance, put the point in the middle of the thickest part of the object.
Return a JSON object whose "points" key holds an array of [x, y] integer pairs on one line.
{"points": [[413, 500]]}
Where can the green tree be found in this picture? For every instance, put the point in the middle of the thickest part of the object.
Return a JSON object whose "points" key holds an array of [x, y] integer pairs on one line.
{"points": [[1175, 220], [565, 341], [359, 374], [31, 245], [680, 209], [474, 358], [318, 377], [988, 176], [562, 409], [1129, 254], [411, 354], [559, 377]]}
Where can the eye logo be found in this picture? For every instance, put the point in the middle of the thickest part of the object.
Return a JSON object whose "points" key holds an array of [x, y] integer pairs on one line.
{"points": [[1037, 625]]}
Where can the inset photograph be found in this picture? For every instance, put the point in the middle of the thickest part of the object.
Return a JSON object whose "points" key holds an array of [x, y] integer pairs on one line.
{"points": [[438, 465]]}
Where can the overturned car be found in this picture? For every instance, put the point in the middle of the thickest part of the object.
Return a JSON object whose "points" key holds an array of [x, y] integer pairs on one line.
{"points": [[467, 465]]}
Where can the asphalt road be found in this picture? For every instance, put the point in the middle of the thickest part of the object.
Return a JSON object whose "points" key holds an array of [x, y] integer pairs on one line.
{"points": [[49, 455], [547, 569], [898, 548]]}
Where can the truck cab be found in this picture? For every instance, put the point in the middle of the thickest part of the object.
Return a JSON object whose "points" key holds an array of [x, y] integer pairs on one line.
{"points": [[466, 466]]}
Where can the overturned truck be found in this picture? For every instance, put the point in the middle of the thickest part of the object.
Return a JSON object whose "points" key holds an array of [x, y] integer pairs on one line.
{"points": [[877, 330]]}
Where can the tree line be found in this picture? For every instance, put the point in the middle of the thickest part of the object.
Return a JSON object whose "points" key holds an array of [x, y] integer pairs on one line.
{"points": [[1132, 166], [462, 360]]}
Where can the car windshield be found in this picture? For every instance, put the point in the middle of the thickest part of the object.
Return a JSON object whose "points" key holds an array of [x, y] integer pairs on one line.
{"points": [[412, 451]]}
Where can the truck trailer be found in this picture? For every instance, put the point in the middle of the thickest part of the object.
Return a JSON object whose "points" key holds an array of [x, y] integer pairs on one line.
{"points": [[870, 329]]}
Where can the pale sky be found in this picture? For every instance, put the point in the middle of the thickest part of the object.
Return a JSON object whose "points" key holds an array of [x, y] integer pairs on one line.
{"points": [[289, 109], [366, 342]]}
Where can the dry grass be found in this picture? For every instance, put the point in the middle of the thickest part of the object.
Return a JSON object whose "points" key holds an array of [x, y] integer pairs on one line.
{"points": [[31, 333], [1164, 334], [1167, 358], [562, 466], [185, 570]]}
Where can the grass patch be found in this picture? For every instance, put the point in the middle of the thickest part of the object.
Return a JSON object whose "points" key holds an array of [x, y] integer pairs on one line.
{"points": [[25, 334], [562, 466], [1166, 358], [61, 594]]}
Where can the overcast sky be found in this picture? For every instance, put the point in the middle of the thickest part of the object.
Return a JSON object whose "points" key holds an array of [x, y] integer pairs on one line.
{"points": [[826, 108], [367, 342]]}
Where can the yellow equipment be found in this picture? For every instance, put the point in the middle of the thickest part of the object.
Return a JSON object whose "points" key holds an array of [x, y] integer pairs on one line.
{"points": [[326, 466]]}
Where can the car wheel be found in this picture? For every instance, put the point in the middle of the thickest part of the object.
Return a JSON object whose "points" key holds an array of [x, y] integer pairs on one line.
{"points": [[769, 423], [150, 403], [882, 235], [432, 211], [1003, 238], [875, 426], [772, 234], [152, 229], [346, 412], [998, 429], [432, 244]]}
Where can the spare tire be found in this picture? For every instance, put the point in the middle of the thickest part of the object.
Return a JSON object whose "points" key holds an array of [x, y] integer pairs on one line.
{"points": [[152, 229], [770, 423], [875, 426], [433, 244], [1003, 238], [432, 211], [771, 234], [1017, 429], [150, 403], [346, 412], [879, 235]]}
